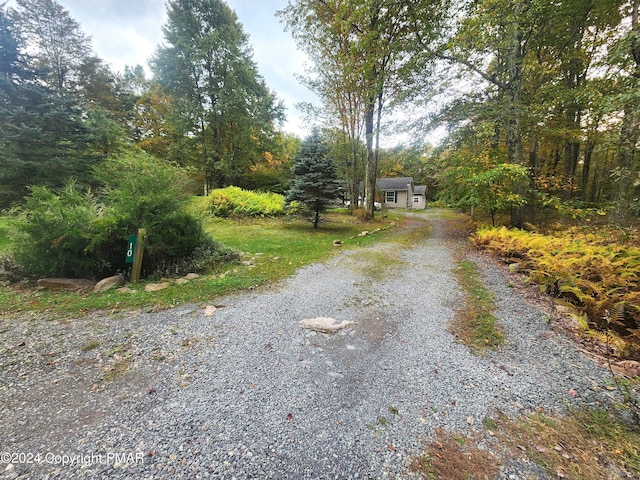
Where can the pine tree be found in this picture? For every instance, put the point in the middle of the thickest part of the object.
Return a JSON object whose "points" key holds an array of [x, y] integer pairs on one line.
{"points": [[315, 183]]}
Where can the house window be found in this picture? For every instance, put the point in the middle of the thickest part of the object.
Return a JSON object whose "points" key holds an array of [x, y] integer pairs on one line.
{"points": [[390, 197], [416, 199]]}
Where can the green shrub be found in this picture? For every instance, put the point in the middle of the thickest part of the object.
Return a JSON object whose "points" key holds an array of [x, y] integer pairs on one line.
{"points": [[236, 202], [73, 234], [54, 231], [144, 192]]}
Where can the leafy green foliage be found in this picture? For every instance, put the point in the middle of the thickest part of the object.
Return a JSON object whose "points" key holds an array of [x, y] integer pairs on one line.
{"points": [[221, 101], [277, 247], [54, 232], [236, 202], [143, 192], [479, 178], [72, 234]]}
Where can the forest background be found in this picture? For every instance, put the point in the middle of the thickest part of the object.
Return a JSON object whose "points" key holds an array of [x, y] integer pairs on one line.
{"points": [[540, 100]]}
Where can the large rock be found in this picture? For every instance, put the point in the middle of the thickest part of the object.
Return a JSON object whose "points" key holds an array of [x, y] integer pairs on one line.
{"points": [[155, 287], [70, 284], [324, 324], [109, 283]]}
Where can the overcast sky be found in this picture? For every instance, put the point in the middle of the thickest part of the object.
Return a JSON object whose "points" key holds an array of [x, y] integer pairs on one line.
{"points": [[126, 32]]}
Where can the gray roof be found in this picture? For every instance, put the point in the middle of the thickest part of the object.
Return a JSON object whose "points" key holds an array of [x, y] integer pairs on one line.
{"points": [[420, 190], [397, 184]]}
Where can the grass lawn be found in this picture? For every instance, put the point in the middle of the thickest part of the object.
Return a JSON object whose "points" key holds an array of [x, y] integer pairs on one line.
{"points": [[276, 248]]}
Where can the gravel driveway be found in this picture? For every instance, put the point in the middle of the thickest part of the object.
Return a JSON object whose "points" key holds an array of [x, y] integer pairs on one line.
{"points": [[242, 391]]}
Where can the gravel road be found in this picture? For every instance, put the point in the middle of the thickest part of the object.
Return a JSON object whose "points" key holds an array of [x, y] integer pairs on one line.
{"points": [[242, 391]]}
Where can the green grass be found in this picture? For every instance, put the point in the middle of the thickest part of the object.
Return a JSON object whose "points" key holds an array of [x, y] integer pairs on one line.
{"points": [[284, 246], [474, 324]]}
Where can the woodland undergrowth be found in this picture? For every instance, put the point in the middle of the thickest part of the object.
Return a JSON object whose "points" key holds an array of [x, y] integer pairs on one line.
{"points": [[597, 271]]}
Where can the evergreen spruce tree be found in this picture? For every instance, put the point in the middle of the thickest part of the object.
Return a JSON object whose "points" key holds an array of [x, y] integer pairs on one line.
{"points": [[315, 183]]}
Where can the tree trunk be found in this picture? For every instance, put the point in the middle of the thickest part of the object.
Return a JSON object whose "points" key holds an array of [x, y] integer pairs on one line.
{"points": [[630, 131], [571, 153], [370, 167], [512, 124], [587, 194], [353, 181], [205, 160]]}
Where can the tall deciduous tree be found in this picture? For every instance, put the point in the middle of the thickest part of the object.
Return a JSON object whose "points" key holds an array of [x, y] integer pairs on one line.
{"points": [[368, 53], [57, 40], [627, 172], [314, 183], [206, 66]]}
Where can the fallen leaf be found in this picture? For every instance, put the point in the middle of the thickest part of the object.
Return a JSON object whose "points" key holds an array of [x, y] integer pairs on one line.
{"points": [[470, 420], [491, 433], [391, 448], [290, 417], [572, 392], [151, 390], [208, 310]]}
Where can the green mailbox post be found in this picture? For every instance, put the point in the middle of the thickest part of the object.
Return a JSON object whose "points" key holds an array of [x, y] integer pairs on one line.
{"points": [[135, 249], [131, 248]]}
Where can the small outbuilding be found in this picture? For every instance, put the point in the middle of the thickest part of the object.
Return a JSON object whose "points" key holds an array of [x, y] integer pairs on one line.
{"points": [[419, 197]]}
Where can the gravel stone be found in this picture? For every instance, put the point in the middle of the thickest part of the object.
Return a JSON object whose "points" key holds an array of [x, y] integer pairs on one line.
{"points": [[242, 391]]}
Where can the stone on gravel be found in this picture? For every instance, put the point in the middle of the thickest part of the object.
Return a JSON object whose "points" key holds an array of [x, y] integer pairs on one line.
{"points": [[109, 283], [324, 324], [73, 284]]}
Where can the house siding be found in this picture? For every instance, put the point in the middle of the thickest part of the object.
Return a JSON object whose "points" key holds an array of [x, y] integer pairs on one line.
{"points": [[401, 200], [421, 204]]}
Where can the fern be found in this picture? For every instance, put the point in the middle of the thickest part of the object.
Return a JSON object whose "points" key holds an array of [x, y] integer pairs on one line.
{"points": [[588, 269]]}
